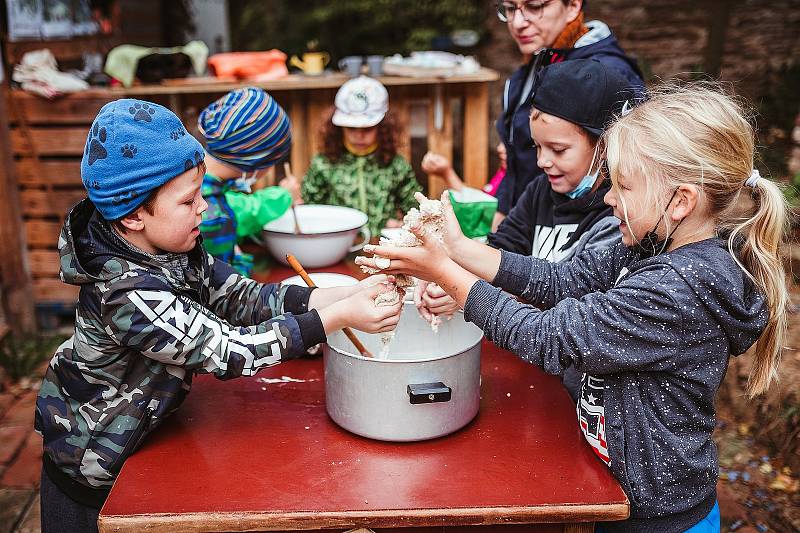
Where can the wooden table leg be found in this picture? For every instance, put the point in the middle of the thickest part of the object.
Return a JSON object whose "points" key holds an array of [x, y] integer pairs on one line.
{"points": [[301, 155], [476, 134], [440, 134]]}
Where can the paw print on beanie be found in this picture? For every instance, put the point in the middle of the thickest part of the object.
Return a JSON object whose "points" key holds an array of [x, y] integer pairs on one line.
{"points": [[189, 164], [94, 148], [124, 198], [142, 112], [133, 147], [128, 150]]}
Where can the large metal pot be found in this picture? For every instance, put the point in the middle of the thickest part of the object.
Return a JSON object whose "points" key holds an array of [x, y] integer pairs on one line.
{"points": [[428, 386], [328, 232]]}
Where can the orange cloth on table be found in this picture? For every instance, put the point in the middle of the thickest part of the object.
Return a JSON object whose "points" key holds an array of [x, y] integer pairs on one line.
{"points": [[571, 33], [258, 66]]}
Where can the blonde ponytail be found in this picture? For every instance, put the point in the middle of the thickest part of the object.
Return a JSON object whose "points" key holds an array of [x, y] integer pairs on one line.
{"points": [[697, 134], [761, 236]]}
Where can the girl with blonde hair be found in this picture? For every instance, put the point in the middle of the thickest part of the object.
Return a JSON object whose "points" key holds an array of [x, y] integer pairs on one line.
{"points": [[650, 322]]}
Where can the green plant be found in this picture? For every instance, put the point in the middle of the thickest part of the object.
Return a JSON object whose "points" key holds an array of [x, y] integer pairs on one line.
{"points": [[20, 357], [792, 191]]}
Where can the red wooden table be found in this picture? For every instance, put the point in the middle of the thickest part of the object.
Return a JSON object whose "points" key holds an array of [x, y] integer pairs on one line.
{"points": [[255, 454]]}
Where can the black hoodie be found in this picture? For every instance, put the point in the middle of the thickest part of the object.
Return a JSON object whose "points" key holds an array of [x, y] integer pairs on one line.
{"points": [[552, 226]]}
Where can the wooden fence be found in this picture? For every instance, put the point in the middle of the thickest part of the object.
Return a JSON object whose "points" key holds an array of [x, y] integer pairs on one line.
{"points": [[47, 140]]}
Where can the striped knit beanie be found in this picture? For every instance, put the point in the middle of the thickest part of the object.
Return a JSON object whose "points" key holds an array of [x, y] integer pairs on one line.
{"points": [[246, 128]]}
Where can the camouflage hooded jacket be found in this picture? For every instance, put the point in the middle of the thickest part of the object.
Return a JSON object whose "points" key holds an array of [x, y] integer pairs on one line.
{"points": [[144, 325]]}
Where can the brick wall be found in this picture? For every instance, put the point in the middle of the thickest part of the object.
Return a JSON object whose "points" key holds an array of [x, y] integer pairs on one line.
{"points": [[747, 41]]}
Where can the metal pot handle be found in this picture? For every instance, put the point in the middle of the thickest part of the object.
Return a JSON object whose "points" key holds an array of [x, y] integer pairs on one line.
{"points": [[429, 393], [364, 231]]}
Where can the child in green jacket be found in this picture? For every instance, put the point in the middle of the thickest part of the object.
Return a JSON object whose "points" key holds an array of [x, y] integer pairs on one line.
{"points": [[246, 132], [359, 166]]}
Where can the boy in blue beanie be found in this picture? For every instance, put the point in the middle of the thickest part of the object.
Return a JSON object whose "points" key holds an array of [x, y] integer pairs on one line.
{"points": [[155, 308], [246, 132]]}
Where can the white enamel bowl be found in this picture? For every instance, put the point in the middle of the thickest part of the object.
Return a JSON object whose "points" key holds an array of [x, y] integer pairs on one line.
{"points": [[328, 233]]}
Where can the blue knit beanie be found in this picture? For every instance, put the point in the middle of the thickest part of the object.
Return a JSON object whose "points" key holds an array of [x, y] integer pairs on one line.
{"points": [[246, 128], [134, 147]]}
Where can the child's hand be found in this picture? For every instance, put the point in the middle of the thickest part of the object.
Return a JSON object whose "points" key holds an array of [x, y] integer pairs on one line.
{"points": [[426, 262], [372, 280], [431, 300], [453, 237], [292, 184], [360, 311], [433, 163], [394, 223], [323, 297]]}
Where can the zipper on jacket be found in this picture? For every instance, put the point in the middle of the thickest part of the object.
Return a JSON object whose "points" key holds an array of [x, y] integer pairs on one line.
{"points": [[362, 187], [134, 441]]}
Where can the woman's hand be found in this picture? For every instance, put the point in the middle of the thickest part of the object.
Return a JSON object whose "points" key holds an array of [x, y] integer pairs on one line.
{"points": [[360, 312], [431, 300]]}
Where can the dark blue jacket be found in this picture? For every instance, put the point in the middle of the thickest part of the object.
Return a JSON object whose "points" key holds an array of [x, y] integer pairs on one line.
{"points": [[513, 125], [652, 336]]}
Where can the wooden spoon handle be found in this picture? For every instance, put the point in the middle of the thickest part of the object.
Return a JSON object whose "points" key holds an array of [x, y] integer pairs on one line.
{"points": [[287, 170], [295, 264]]}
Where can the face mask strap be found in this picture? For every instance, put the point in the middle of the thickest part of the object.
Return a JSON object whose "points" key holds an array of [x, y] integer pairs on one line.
{"points": [[649, 244]]}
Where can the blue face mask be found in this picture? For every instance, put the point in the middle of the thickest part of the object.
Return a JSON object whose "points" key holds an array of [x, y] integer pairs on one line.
{"points": [[587, 182], [584, 186], [245, 183]]}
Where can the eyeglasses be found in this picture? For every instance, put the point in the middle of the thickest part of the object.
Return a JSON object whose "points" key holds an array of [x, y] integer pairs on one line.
{"points": [[529, 10]]}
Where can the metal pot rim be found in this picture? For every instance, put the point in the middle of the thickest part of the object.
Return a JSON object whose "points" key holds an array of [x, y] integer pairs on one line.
{"points": [[396, 361]]}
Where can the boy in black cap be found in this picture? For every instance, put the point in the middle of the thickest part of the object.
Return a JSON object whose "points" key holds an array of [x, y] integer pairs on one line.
{"points": [[561, 213]]}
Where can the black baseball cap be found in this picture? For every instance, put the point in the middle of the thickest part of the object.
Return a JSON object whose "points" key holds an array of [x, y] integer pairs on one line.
{"points": [[584, 92]]}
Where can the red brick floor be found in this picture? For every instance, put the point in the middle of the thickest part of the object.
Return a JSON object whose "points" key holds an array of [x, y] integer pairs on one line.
{"points": [[20, 463]]}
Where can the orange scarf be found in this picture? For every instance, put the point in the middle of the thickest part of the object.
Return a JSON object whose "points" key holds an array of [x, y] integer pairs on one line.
{"points": [[571, 33]]}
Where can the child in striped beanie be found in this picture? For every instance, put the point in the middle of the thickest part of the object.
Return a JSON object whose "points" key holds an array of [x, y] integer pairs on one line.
{"points": [[246, 131]]}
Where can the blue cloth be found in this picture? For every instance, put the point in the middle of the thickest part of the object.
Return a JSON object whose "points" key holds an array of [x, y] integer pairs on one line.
{"points": [[709, 524], [134, 147], [246, 128]]}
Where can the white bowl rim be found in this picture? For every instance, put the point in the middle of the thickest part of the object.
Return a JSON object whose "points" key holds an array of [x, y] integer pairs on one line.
{"points": [[358, 226]]}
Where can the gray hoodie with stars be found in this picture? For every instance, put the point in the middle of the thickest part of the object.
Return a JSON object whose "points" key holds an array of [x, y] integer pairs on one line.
{"points": [[655, 333]]}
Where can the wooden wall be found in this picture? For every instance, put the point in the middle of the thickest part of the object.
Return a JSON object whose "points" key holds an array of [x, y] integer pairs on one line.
{"points": [[47, 139]]}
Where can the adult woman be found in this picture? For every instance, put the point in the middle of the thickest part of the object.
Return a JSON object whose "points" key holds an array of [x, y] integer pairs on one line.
{"points": [[546, 32]]}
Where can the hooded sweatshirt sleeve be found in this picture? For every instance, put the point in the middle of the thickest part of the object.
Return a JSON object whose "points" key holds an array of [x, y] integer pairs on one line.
{"points": [[543, 283], [242, 301], [634, 326], [175, 330]]}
